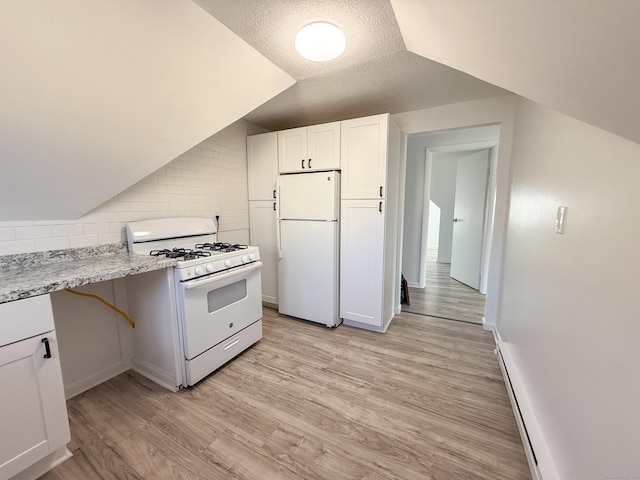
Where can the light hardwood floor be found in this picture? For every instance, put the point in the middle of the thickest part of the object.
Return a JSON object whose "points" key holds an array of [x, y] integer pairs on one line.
{"points": [[445, 297], [424, 401]]}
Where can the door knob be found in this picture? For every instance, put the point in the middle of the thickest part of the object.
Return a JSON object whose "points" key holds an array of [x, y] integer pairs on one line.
{"points": [[455, 220]]}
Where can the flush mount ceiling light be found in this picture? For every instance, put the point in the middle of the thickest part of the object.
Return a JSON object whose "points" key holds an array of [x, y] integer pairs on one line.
{"points": [[320, 41]]}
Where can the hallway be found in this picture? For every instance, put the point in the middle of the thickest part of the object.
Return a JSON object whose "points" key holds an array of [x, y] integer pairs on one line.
{"points": [[445, 297]]}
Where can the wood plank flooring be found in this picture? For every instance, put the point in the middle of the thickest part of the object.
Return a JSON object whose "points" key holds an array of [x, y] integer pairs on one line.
{"points": [[445, 297], [424, 401]]}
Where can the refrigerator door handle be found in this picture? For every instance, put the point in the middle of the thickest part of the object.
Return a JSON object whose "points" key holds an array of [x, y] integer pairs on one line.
{"points": [[278, 239]]}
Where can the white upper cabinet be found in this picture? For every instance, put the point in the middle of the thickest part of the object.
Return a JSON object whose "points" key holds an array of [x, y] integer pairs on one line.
{"points": [[364, 157], [262, 165], [309, 149]]}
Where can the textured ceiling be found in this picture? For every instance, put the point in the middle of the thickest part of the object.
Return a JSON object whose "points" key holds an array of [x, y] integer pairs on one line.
{"points": [[375, 74]]}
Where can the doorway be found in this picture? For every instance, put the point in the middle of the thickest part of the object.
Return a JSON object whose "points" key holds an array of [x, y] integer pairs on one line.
{"points": [[449, 203]]}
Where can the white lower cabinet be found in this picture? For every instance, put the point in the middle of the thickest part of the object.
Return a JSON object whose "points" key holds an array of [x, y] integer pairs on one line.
{"points": [[362, 262], [33, 412], [262, 224]]}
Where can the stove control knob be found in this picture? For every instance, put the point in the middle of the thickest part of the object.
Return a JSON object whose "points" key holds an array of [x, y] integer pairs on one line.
{"points": [[198, 270], [209, 267], [228, 263], [245, 258], [252, 257]]}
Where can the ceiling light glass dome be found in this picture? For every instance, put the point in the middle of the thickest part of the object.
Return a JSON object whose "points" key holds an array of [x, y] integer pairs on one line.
{"points": [[320, 41]]}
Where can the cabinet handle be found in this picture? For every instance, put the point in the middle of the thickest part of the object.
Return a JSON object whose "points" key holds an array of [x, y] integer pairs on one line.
{"points": [[380, 207], [303, 163], [274, 206], [309, 163], [380, 191], [46, 347], [274, 194]]}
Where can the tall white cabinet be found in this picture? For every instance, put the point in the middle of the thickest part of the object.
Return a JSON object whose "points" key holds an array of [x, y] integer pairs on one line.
{"points": [[33, 411], [262, 168], [369, 273]]}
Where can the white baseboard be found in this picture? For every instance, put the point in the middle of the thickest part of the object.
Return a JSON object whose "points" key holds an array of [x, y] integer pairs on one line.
{"points": [[164, 379], [536, 450], [443, 260], [414, 284], [486, 325], [366, 326], [82, 385], [41, 467]]}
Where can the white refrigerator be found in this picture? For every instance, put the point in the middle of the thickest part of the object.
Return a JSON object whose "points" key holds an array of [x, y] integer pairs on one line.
{"points": [[308, 228]]}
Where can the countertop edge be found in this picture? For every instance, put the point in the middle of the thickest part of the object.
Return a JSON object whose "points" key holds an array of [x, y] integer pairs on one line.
{"points": [[28, 279]]}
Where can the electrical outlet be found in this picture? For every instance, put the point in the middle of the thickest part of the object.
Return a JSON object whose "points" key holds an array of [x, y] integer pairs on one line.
{"points": [[216, 212]]}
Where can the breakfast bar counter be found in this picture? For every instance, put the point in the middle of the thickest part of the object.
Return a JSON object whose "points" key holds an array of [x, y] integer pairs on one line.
{"points": [[31, 274]]}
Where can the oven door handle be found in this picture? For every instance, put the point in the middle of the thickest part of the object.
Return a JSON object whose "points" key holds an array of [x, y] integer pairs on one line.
{"points": [[216, 278]]}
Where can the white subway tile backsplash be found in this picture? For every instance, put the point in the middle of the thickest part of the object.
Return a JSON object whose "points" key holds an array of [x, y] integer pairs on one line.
{"points": [[53, 243], [104, 238], [79, 241], [66, 230], [91, 228], [23, 233], [17, 246], [7, 233]]}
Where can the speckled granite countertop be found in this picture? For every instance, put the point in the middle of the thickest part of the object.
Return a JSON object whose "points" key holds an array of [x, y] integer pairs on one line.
{"points": [[30, 274]]}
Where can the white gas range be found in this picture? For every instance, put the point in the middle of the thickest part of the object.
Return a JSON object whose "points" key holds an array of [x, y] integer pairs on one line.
{"points": [[196, 317]]}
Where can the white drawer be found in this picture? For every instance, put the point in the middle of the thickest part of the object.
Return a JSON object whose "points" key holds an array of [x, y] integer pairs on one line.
{"points": [[215, 357], [25, 319]]}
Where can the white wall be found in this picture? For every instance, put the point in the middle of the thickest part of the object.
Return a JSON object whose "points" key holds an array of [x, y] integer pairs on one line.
{"points": [[211, 174], [97, 95], [570, 308], [433, 232], [443, 192]]}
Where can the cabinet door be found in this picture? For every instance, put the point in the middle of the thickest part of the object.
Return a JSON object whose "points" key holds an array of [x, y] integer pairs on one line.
{"points": [[262, 165], [33, 412], [364, 157], [292, 150], [361, 261], [323, 146], [262, 224]]}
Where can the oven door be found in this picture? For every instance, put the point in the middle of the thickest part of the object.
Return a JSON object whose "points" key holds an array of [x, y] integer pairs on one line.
{"points": [[218, 306]]}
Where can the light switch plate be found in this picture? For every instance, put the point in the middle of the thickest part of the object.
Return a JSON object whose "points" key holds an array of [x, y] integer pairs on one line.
{"points": [[560, 219]]}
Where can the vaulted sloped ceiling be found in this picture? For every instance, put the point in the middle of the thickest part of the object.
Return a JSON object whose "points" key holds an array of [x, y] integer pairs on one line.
{"points": [[580, 57], [98, 94]]}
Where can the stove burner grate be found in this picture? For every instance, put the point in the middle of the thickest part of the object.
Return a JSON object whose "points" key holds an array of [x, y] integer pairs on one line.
{"points": [[180, 253], [221, 247]]}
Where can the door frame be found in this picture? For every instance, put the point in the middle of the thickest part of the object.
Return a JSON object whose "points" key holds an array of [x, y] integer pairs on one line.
{"points": [[489, 210]]}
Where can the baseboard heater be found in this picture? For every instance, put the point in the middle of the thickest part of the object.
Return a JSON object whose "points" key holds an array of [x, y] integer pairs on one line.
{"points": [[536, 450]]}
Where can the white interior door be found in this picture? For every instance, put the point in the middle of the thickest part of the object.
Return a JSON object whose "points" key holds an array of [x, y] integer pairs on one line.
{"points": [[468, 221]]}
